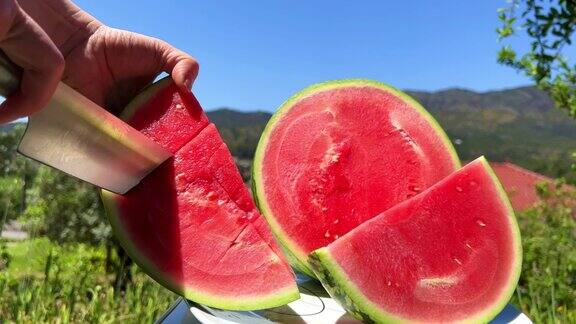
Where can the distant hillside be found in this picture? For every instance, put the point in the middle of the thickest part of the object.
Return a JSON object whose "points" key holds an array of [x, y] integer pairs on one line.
{"points": [[228, 118], [520, 125], [241, 131], [526, 99]]}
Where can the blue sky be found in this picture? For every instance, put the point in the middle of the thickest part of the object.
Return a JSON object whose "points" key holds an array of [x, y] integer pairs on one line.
{"points": [[255, 54]]}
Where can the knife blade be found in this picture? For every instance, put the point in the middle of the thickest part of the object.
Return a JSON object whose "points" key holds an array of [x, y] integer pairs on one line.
{"points": [[76, 136]]}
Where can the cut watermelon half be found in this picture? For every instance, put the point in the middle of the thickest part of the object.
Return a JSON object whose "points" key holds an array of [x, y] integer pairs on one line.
{"points": [[191, 224], [450, 254], [337, 154]]}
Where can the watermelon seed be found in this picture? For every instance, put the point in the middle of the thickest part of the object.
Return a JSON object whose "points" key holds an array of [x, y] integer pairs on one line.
{"points": [[469, 246], [335, 221], [327, 234], [179, 106], [459, 189], [457, 261], [324, 208], [211, 195], [480, 223], [414, 188], [473, 183], [336, 237], [389, 283], [180, 177], [274, 258], [220, 202], [315, 201]]}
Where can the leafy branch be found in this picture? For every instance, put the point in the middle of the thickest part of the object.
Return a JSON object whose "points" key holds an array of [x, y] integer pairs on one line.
{"points": [[550, 25]]}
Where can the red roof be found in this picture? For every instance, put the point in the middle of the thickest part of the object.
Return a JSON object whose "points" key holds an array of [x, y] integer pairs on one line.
{"points": [[520, 184]]}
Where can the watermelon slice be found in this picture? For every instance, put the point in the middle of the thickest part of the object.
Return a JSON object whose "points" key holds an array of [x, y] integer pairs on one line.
{"points": [[450, 254], [191, 224], [337, 154]]}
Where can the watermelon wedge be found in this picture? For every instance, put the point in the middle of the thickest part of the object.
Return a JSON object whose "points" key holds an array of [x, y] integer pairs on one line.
{"points": [[338, 153], [191, 224], [450, 254]]}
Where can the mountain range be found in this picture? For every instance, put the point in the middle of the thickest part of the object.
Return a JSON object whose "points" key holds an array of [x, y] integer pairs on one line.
{"points": [[519, 125]]}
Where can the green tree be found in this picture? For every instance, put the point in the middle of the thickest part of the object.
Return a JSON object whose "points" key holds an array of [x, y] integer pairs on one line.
{"points": [[547, 287], [16, 174], [550, 25], [65, 209]]}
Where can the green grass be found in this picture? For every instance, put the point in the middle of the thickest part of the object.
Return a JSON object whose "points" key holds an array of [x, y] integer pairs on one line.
{"points": [[547, 288], [48, 283], [45, 282], [29, 257]]}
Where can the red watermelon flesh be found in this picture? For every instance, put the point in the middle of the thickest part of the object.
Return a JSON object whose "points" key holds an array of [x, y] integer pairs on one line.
{"points": [[170, 119], [337, 154], [450, 254], [192, 224]]}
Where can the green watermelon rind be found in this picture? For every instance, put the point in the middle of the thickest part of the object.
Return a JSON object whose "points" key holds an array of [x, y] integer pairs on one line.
{"points": [[144, 96], [339, 286], [108, 198], [297, 257], [192, 293], [292, 258]]}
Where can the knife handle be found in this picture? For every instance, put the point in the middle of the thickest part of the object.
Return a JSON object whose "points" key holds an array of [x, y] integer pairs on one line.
{"points": [[10, 75]]}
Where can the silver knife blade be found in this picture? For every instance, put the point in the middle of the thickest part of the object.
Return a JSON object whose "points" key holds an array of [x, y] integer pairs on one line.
{"points": [[75, 135]]}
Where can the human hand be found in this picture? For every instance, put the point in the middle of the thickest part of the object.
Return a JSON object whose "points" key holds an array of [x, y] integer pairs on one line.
{"points": [[109, 66], [27, 45]]}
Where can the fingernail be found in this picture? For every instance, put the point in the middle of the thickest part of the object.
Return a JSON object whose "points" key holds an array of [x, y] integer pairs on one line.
{"points": [[188, 84]]}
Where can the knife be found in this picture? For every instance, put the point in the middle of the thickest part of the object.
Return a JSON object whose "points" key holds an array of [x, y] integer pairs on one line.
{"points": [[75, 135]]}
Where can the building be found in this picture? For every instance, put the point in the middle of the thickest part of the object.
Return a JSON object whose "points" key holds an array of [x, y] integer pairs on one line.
{"points": [[520, 184]]}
